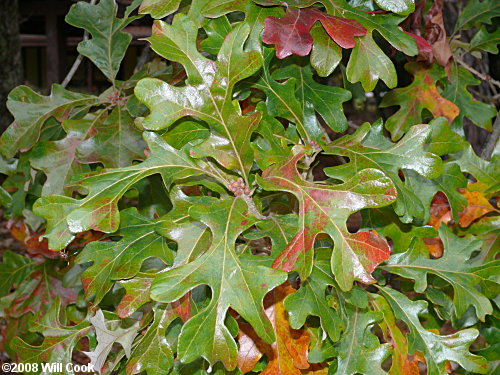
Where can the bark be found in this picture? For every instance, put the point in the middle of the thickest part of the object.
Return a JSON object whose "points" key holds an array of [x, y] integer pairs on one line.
{"points": [[11, 68]]}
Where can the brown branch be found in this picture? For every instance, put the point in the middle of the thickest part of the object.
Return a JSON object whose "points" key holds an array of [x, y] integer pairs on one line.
{"points": [[78, 60], [492, 139], [484, 77]]}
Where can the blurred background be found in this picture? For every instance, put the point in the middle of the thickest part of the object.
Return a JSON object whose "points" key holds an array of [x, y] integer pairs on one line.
{"points": [[37, 48]]}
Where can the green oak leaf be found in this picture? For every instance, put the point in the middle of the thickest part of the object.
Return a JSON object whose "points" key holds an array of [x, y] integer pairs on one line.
{"points": [[192, 237], [448, 183], [254, 16], [159, 8], [31, 110], [477, 12], [402, 363], [385, 221], [326, 54], [313, 96], [485, 41], [436, 349], [59, 341], [453, 267], [98, 210], [38, 290], [14, 269], [359, 351], [208, 94], [185, 132], [421, 94], [216, 30], [443, 140], [311, 299], [403, 7], [273, 144], [324, 208], [115, 142], [153, 353], [122, 259], [485, 172], [57, 159], [368, 148], [281, 101], [456, 91], [368, 63], [107, 47], [280, 229], [136, 294], [233, 280]]}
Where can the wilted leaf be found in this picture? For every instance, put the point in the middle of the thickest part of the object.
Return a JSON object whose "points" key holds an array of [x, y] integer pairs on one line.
{"points": [[288, 354], [107, 337]]}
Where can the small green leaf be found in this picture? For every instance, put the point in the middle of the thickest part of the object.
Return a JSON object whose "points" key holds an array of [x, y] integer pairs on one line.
{"points": [[476, 12], [107, 47], [368, 64], [326, 100], [485, 41], [457, 92]]}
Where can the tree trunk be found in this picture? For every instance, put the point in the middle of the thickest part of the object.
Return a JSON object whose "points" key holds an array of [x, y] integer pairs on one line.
{"points": [[11, 68]]}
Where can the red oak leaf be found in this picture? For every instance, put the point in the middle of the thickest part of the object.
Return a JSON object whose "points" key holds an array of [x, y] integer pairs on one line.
{"points": [[291, 33], [325, 208]]}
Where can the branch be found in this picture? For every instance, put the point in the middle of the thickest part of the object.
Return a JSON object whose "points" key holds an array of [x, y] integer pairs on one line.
{"points": [[78, 60], [484, 77], [492, 139]]}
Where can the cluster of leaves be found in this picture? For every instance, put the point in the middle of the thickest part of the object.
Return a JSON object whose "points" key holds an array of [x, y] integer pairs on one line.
{"points": [[200, 217]]}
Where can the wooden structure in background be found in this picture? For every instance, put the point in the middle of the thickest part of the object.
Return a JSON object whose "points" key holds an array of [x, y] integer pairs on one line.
{"points": [[49, 44]]}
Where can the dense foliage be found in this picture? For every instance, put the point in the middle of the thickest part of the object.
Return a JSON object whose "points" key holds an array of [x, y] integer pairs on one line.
{"points": [[217, 212]]}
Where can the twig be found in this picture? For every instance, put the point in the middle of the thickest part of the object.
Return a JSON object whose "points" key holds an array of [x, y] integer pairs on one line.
{"points": [[492, 139], [78, 60], [484, 77]]}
